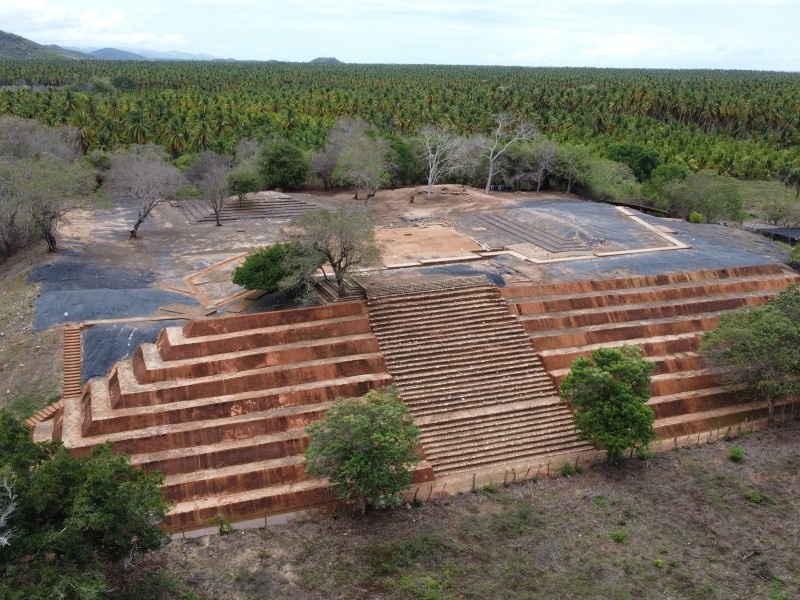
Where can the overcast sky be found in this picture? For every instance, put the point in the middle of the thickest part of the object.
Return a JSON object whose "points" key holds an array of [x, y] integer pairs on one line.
{"points": [[728, 34]]}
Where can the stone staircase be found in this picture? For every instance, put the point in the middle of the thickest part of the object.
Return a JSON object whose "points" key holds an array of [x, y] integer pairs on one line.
{"points": [[72, 361], [666, 316], [468, 373], [262, 205], [219, 407]]}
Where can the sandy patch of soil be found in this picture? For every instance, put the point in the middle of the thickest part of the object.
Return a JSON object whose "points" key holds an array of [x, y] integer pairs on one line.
{"points": [[405, 244]]}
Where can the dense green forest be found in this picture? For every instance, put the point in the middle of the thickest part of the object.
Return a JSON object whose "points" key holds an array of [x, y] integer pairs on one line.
{"points": [[744, 124]]}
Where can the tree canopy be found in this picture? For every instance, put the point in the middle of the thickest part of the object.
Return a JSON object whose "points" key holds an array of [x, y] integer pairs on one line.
{"points": [[343, 238], [609, 393], [283, 164], [760, 348], [366, 447], [71, 515], [269, 269]]}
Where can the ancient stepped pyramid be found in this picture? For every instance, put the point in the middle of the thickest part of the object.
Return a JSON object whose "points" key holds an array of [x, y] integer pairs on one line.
{"points": [[219, 407], [467, 371], [262, 205], [665, 315]]}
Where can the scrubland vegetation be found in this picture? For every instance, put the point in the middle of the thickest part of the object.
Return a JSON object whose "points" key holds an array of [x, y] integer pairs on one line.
{"points": [[674, 140]]}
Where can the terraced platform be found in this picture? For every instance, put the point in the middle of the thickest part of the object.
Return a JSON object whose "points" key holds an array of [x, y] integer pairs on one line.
{"points": [[219, 407], [467, 371], [263, 205], [665, 316]]}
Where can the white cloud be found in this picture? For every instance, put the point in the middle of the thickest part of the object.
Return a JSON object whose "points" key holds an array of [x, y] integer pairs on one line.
{"points": [[50, 23]]}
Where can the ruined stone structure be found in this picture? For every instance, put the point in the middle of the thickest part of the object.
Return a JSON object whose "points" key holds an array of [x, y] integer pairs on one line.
{"points": [[665, 315], [219, 405]]}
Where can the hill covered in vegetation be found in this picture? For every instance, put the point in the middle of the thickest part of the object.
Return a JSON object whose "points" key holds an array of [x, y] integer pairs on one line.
{"points": [[16, 47]]}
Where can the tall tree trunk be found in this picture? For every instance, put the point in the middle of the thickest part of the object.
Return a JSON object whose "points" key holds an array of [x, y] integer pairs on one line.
{"points": [[135, 229], [770, 412], [491, 174]]}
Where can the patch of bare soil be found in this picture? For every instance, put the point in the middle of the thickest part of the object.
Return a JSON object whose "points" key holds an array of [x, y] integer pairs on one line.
{"points": [[685, 524], [30, 363], [447, 201]]}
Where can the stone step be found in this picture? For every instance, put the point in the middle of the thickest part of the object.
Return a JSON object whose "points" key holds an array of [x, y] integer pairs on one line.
{"points": [[198, 434], [449, 420], [452, 332], [127, 392], [641, 295], [433, 297], [602, 334], [463, 437], [675, 383], [453, 305], [251, 503], [664, 364], [426, 366], [485, 380], [73, 375], [496, 441], [562, 358], [426, 321], [303, 316], [639, 312], [174, 345], [489, 363], [669, 279], [99, 418], [539, 453], [727, 416], [182, 487], [430, 407], [694, 401], [149, 366], [455, 341]]}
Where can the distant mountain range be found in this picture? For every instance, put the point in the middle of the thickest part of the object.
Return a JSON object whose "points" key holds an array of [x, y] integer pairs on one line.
{"points": [[17, 47]]}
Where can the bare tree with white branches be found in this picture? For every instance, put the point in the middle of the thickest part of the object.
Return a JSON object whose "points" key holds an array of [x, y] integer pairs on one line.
{"points": [[440, 151], [507, 132], [142, 177]]}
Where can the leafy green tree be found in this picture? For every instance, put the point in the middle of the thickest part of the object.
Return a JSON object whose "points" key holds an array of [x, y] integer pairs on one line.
{"points": [[366, 447], [641, 160], [72, 516], [610, 393], [610, 180], [283, 165], [243, 181], [343, 238], [661, 177], [760, 348], [573, 165], [268, 268], [716, 197]]}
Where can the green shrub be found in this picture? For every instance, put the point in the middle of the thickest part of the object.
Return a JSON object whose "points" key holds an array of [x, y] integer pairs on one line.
{"points": [[736, 454], [696, 217], [620, 537], [490, 488], [658, 563], [567, 469], [755, 497]]}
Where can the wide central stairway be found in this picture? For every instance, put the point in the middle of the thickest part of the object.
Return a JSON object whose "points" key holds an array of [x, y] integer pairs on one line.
{"points": [[665, 316], [467, 371], [219, 406]]}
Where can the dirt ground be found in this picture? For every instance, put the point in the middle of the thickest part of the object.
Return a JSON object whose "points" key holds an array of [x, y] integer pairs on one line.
{"points": [[688, 524]]}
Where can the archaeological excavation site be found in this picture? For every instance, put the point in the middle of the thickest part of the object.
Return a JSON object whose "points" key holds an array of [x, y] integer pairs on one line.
{"points": [[475, 334]]}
